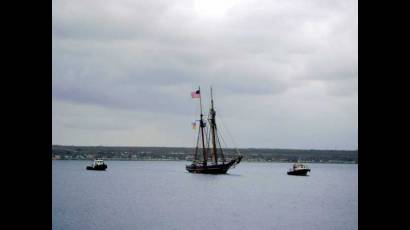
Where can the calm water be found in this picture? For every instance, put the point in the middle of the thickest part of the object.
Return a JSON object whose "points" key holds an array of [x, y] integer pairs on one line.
{"points": [[162, 195]]}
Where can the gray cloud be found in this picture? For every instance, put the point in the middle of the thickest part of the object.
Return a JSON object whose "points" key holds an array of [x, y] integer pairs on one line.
{"points": [[285, 72]]}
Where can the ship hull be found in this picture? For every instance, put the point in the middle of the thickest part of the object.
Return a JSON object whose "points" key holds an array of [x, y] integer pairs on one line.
{"points": [[213, 169], [97, 168], [299, 172], [209, 169]]}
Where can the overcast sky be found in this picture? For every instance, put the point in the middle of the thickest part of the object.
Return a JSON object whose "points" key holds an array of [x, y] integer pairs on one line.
{"points": [[284, 72]]}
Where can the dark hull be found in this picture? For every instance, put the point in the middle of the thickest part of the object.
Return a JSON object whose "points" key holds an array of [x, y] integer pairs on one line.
{"points": [[213, 169], [299, 172], [209, 169], [98, 167]]}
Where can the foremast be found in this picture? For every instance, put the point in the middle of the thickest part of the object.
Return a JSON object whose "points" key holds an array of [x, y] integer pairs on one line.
{"points": [[202, 126]]}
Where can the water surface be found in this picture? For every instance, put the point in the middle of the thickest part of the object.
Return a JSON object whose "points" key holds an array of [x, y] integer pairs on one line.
{"points": [[162, 195]]}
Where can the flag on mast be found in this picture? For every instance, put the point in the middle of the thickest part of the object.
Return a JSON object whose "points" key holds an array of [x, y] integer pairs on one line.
{"points": [[196, 94]]}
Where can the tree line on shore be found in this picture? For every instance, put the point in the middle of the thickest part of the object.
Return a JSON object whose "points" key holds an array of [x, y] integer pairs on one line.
{"points": [[60, 152]]}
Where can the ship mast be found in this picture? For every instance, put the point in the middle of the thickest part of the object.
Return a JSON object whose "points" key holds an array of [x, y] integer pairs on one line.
{"points": [[213, 130], [202, 126]]}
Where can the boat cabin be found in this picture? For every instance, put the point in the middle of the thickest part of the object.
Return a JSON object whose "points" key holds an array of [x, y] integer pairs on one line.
{"points": [[297, 166], [98, 162]]}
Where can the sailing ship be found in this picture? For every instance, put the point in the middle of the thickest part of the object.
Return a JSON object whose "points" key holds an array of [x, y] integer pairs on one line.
{"points": [[208, 139]]}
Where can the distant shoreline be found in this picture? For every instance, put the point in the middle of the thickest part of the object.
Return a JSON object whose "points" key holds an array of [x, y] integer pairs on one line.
{"points": [[247, 161], [187, 154]]}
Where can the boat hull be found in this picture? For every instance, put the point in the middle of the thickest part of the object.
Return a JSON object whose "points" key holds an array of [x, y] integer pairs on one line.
{"points": [[299, 172], [97, 168], [209, 169], [213, 169]]}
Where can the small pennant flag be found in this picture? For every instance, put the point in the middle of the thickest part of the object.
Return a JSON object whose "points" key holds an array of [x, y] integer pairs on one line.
{"points": [[196, 94]]}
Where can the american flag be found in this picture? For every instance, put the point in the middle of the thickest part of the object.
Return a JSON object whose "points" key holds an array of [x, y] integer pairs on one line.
{"points": [[196, 94]]}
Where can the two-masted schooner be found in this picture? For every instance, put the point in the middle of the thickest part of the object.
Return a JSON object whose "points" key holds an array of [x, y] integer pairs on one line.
{"points": [[208, 142]]}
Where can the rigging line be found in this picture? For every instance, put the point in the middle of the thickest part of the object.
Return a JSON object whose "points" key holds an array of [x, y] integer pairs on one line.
{"points": [[220, 147], [229, 134], [196, 144], [207, 139], [196, 148], [223, 141], [222, 134], [196, 111]]}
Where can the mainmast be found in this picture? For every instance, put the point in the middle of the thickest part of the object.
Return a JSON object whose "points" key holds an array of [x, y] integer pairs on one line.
{"points": [[202, 126], [213, 130]]}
